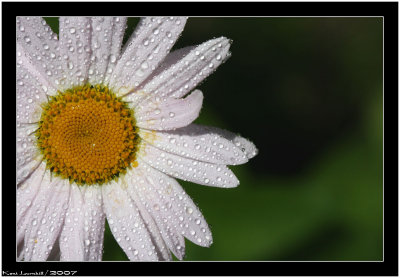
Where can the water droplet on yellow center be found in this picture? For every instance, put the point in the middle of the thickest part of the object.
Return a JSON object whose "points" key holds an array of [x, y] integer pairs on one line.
{"points": [[87, 135]]}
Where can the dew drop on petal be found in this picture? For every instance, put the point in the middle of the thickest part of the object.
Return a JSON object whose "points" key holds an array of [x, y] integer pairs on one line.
{"points": [[189, 210]]}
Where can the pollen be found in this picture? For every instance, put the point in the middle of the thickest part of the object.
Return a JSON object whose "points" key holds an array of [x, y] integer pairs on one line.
{"points": [[87, 135]]}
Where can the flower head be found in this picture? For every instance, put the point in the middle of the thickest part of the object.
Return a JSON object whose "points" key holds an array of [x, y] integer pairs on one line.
{"points": [[103, 131]]}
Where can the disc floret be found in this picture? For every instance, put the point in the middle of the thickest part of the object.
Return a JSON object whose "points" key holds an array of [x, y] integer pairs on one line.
{"points": [[87, 135]]}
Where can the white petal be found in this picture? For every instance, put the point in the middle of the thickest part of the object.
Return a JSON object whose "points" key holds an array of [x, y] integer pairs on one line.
{"points": [[106, 40], [75, 48], [160, 245], [172, 238], [26, 195], [71, 244], [169, 113], [28, 155], [94, 222], [38, 45], [147, 47], [127, 224], [180, 78], [27, 192], [187, 169], [172, 58], [30, 95], [171, 207], [196, 142], [247, 147], [82, 235], [47, 218]]}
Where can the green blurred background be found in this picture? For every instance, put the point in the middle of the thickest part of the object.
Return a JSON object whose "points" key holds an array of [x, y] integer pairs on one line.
{"points": [[309, 93]]}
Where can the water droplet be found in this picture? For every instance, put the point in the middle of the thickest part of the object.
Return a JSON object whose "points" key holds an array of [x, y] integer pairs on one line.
{"points": [[189, 210], [145, 65], [72, 30]]}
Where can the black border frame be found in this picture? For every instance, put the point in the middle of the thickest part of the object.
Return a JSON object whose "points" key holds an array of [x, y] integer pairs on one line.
{"points": [[389, 10]]}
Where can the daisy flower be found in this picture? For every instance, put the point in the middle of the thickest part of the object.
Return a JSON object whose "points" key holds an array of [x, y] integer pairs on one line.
{"points": [[103, 131]]}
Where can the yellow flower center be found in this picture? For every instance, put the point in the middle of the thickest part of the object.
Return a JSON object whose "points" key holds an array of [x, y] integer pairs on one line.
{"points": [[87, 135]]}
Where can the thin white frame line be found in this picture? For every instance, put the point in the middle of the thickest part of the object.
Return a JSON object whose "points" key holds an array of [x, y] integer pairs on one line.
{"points": [[383, 147]]}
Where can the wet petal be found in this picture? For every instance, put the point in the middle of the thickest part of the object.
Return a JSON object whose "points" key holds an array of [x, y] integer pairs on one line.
{"points": [[172, 209], [247, 147], [172, 58], [82, 235], [180, 78], [26, 195], [187, 169], [127, 224], [107, 34], [47, 218], [169, 113], [149, 200], [147, 47], [30, 94], [28, 155], [155, 233], [196, 142], [38, 48], [75, 48]]}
